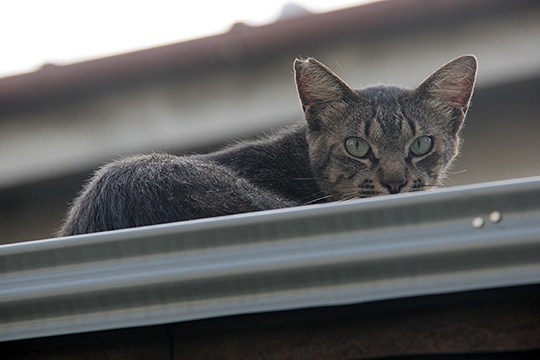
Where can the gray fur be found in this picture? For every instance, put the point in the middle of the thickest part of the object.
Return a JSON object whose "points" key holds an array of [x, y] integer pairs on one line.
{"points": [[302, 164]]}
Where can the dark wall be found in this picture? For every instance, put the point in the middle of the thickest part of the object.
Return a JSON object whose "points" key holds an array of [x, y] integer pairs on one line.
{"points": [[494, 324]]}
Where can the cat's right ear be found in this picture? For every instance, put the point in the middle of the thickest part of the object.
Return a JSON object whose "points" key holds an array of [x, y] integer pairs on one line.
{"points": [[323, 95]]}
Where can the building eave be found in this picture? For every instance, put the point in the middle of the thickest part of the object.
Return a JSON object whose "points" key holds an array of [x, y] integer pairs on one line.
{"points": [[240, 45]]}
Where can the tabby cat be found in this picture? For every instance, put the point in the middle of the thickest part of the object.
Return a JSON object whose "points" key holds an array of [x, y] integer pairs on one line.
{"points": [[353, 144]]}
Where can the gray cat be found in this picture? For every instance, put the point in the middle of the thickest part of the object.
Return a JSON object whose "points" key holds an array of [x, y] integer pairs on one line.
{"points": [[354, 144]]}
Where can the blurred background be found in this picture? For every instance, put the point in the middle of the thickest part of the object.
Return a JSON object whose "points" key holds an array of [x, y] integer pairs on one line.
{"points": [[84, 83]]}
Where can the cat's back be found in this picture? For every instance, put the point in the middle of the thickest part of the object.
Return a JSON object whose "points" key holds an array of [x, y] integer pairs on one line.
{"points": [[123, 193], [134, 176], [161, 188]]}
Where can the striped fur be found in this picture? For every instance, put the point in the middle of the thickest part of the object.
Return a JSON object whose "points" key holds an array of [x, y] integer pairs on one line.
{"points": [[303, 164]]}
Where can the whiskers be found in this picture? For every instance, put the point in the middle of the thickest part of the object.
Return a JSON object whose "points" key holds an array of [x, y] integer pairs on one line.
{"points": [[303, 179], [359, 195], [434, 186], [319, 199], [450, 180], [419, 185], [352, 195], [458, 172], [369, 188], [364, 189]]}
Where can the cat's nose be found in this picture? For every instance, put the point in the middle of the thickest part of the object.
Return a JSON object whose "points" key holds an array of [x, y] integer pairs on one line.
{"points": [[394, 186]]}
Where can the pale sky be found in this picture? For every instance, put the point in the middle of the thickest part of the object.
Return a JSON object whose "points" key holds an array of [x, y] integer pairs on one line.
{"points": [[35, 32]]}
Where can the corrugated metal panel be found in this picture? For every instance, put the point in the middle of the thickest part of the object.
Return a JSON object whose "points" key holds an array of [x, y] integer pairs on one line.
{"points": [[457, 239]]}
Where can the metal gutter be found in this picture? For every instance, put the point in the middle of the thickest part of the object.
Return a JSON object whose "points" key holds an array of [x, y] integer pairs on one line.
{"points": [[457, 239]]}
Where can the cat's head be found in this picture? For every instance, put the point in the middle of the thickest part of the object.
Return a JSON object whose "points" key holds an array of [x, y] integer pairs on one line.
{"points": [[383, 139]]}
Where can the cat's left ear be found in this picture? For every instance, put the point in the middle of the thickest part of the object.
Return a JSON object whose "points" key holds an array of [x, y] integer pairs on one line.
{"points": [[450, 88]]}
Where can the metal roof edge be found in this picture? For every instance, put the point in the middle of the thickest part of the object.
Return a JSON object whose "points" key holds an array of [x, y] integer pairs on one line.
{"points": [[458, 239]]}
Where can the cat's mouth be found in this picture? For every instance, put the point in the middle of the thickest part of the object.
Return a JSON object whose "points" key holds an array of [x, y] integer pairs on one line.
{"points": [[371, 188]]}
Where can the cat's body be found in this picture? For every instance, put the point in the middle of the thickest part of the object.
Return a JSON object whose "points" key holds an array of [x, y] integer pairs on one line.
{"points": [[354, 144], [159, 188]]}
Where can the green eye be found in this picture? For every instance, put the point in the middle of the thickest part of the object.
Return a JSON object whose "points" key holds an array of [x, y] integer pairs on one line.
{"points": [[357, 147], [422, 145]]}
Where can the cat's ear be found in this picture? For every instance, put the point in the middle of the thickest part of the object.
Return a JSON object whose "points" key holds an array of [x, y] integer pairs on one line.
{"points": [[450, 88], [322, 93]]}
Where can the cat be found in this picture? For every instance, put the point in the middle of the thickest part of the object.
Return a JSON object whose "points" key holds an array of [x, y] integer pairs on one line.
{"points": [[353, 144]]}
